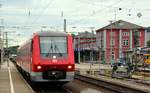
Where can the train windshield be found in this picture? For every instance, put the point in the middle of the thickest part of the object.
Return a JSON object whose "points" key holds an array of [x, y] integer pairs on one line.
{"points": [[53, 46]]}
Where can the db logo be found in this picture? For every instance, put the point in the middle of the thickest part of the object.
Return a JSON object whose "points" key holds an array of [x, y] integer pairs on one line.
{"points": [[54, 60]]}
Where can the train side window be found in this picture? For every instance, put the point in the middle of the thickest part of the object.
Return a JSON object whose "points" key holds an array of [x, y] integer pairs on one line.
{"points": [[31, 46]]}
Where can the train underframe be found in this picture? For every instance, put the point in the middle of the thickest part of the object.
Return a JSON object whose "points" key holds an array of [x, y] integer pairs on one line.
{"points": [[52, 76]]}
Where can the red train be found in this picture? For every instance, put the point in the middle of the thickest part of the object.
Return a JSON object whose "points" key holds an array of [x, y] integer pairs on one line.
{"points": [[47, 57]]}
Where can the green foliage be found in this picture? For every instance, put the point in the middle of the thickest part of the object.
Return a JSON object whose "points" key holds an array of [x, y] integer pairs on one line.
{"points": [[136, 44], [136, 38], [103, 56], [10, 50], [73, 35], [148, 43], [13, 49]]}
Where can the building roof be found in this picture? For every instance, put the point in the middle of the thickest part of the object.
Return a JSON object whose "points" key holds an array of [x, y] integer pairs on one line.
{"points": [[120, 24], [148, 29], [86, 34], [52, 33]]}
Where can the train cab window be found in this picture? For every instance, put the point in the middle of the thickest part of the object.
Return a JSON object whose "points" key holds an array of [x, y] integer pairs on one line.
{"points": [[53, 46]]}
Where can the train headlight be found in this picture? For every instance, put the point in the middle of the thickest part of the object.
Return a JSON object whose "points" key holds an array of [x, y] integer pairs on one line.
{"points": [[54, 57], [69, 67], [39, 67]]}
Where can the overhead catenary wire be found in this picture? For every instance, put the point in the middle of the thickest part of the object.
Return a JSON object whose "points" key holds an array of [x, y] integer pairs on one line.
{"points": [[36, 18], [42, 12], [98, 11], [28, 12], [115, 9], [93, 3]]}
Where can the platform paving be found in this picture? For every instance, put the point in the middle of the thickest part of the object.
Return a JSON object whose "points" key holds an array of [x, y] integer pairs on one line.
{"points": [[88, 66], [11, 81]]}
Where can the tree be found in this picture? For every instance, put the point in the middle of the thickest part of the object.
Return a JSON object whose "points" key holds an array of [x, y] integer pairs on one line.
{"points": [[136, 45], [148, 43], [13, 49], [103, 56], [136, 38]]}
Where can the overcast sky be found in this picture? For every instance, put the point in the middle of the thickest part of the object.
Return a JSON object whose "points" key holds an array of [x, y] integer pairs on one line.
{"points": [[28, 16]]}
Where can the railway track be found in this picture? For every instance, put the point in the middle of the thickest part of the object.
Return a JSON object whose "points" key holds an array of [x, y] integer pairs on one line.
{"points": [[114, 86], [53, 88], [45, 87], [49, 88]]}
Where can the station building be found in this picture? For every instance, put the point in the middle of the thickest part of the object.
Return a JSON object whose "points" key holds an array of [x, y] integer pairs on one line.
{"points": [[116, 38], [148, 34], [85, 44]]}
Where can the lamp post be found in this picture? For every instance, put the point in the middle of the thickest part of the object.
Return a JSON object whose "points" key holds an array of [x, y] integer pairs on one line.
{"points": [[64, 19], [6, 44], [64, 25], [111, 38], [77, 44], [92, 41], [78, 48]]}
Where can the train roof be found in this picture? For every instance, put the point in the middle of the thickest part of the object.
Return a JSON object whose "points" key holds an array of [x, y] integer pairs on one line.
{"points": [[45, 33], [52, 33]]}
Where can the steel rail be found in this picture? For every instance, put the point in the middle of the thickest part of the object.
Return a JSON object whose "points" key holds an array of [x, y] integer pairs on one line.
{"points": [[110, 84]]}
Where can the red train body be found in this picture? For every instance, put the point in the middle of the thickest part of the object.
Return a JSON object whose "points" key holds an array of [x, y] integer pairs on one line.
{"points": [[47, 56]]}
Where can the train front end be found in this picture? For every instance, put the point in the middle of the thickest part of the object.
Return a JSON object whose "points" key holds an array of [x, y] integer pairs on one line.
{"points": [[52, 58]]}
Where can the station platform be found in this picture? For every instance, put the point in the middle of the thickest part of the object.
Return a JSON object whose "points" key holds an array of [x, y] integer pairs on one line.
{"points": [[11, 81], [84, 68], [92, 66], [105, 69], [87, 70]]}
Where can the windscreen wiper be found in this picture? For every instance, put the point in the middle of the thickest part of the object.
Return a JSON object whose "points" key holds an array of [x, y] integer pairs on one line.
{"points": [[50, 51], [56, 48]]}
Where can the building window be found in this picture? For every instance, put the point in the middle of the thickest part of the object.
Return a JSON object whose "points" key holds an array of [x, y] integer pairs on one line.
{"points": [[113, 55], [125, 42], [139, 33], [125, 33], [112, 34], [112, 43]]}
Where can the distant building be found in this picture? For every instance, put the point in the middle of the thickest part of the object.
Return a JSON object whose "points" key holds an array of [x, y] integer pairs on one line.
{"points": [[85, 43], [148, 34], [115, 39]]}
